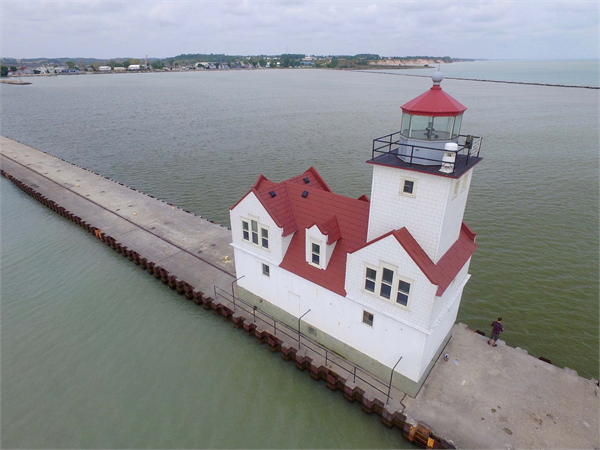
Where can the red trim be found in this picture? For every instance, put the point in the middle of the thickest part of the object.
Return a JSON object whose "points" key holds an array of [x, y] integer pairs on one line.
{"points": [[319, 177], [446, 269], [364, 198]]}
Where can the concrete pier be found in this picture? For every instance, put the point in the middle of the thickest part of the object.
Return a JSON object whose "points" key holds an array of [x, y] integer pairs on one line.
{"points": [[483, 397]]}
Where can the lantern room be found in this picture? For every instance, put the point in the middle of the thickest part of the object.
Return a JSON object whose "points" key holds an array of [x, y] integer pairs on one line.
{"points": [[429, 138], [432, 116]]}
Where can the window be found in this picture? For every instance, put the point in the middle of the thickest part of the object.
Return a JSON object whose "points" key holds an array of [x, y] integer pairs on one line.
{"points": [[456, 186], [315, 256], [456, 129], [442, 128], [405, 124], [408, 186], [254, 232], [465, 180], [403, 292], [386, 283], [420, 127], [266, 270], [368, 318], [264, 233], [370, 278], [245, 231]]}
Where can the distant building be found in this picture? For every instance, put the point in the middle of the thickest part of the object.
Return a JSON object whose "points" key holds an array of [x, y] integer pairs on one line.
{"points": [[119, 69], [308, 61], [134, 67], [104, 69]]}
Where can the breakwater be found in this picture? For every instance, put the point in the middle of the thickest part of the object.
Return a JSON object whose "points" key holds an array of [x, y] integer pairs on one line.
{"points": [[479, 398], [479, 79]]}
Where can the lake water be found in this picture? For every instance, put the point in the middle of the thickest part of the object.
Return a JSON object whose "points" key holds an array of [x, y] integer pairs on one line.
{"points": [[97, 354], [584, 72]]}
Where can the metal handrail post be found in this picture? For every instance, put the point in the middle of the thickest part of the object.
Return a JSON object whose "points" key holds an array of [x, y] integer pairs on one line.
{"points": [[299, 318], [391, 377], [232, 292]]}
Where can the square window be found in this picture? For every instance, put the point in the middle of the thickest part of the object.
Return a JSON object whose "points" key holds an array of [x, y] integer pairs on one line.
{"points": [[408, 187], [315, 259], [404, 287], [316, 248], [386, 290], [388, 276], [402, 299], [368, 318], [264, 237], [266, 270]]}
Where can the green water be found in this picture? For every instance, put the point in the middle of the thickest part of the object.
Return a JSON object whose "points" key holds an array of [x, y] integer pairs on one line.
{"points": [[98, 354]]}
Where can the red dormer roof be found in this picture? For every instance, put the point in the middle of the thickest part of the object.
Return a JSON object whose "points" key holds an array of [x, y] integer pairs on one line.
{"points": [[435, 102], [329, 228], [345, 221]]}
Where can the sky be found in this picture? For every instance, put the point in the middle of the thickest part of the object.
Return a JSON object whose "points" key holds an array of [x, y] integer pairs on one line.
{"points": [[462, 29]]}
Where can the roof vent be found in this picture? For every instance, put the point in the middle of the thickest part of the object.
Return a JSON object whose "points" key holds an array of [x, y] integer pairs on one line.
{"points": [[272, 194], [306, 180], [305, 194]]}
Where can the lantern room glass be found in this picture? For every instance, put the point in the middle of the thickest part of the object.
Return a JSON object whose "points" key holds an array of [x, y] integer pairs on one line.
{"points": [[443, 128]]}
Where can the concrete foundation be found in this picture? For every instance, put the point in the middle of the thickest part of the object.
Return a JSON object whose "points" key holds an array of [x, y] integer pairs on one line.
{"points": [[346, 351]]}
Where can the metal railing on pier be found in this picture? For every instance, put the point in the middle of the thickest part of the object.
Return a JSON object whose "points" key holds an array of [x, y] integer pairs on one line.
{"points": [[331, 358]]}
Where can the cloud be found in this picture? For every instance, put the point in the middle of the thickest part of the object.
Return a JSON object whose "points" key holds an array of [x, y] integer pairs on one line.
{"points": [[481, 29]]}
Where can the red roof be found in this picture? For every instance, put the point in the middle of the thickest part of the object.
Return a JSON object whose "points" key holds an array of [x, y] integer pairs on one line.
{"points": [[343, 220], [435, 102]]}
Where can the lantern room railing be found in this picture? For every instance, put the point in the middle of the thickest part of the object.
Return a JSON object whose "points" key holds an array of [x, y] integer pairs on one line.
{"points": [[468, 150]]}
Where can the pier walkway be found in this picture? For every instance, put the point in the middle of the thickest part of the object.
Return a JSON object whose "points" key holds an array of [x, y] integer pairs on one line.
{"points": [[482, 397]]}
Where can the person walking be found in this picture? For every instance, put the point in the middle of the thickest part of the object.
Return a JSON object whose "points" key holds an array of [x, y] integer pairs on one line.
{"points": [[497, 328]]}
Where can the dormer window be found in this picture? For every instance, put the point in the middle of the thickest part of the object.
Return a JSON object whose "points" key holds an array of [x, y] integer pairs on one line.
{"points": [[264, 237]]}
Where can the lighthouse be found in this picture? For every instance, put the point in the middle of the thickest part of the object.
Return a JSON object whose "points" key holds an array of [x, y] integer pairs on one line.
{"points": [[377, 280]]}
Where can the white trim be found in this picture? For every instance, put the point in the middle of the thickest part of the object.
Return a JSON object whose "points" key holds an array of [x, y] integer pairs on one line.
{"points": [[259, 227], [394, 286]]}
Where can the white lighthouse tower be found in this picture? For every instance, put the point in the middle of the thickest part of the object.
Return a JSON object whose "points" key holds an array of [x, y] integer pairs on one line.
{"points": [[378, 281], [422, 174]]}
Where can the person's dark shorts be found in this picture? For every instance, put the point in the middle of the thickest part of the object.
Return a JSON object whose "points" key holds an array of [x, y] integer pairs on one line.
{"points": [[495, 336]]}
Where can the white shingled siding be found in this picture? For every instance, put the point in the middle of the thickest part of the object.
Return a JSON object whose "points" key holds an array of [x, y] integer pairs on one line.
{"points": [[422, 214], [454, 213], [313, 234], [389, 251], [440, 305], [340, 317], [248, 209]]}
